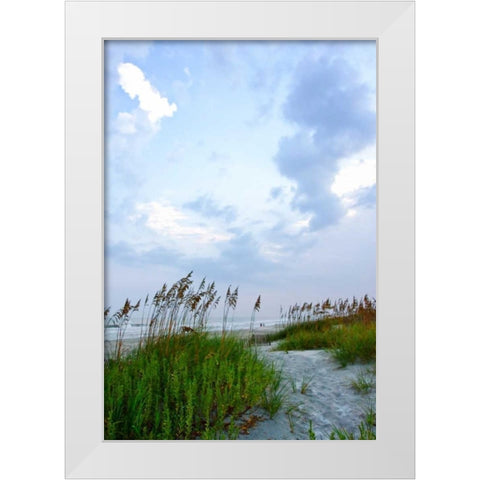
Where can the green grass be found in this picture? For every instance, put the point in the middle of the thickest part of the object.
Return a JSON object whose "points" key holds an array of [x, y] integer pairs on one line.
{"points": [[357, 342], [365, 432], [366, 429], [181, 382], [350, 338], [274, 394], [365, 381], [306, 381], [186, 387], [289, 412]]}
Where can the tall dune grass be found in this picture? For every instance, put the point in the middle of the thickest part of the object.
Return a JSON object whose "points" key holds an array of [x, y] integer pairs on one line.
{"points": [[187, 386], [347, 328], [182, 382]]}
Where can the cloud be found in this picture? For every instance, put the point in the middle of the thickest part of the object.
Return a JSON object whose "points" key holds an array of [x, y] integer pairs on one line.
{"points": [[241, 259], [356, 172], [170, 222], [365, 197], [210, 209], [128, 132], [133, 82], [331, 108], [127, 254], [298, 159], [328, 99]]}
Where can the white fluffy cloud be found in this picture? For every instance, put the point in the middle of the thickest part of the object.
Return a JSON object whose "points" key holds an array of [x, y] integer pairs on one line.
{"points": [[134, 83], [173, 225], [356, 172]]}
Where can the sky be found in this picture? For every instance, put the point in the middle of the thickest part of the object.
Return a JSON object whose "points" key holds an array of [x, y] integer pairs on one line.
{"points": [[252, 164]]}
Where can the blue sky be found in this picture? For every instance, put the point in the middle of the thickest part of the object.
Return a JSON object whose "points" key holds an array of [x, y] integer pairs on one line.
{"points": [[250, 163]]}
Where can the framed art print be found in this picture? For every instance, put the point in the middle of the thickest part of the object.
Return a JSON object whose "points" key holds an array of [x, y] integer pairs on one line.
{"points": [[239, 198]]}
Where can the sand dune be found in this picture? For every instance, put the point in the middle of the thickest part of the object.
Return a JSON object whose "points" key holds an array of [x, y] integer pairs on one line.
{"points": [[329, 399]]}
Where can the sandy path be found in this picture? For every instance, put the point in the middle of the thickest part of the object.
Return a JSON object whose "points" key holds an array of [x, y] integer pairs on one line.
{"points": [[329, 399]]}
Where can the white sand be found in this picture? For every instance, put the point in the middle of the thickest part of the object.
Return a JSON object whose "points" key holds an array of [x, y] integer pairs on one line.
{"points": [[329, 399]]}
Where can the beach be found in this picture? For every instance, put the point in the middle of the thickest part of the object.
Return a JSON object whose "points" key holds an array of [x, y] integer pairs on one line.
{"points": [[315, 387], [129, 342], [328, 401]]}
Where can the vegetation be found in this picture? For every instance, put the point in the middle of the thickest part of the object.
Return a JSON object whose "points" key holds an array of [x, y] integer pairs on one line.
{"points": [[289, 412], [182, 382], [346, 328], [365, 380], [366, 429], [305, 384], [185, 387]]}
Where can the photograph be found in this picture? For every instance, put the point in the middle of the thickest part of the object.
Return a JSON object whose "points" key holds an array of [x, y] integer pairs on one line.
{"points": [[240, 239]]}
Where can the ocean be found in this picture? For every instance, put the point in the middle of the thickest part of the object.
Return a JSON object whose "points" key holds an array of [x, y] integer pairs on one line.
{"points": [[134, 328]]}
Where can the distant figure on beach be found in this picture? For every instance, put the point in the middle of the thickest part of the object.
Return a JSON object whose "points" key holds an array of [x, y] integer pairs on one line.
{"points": [[188, 329]]}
